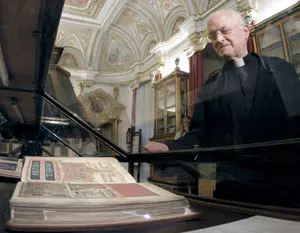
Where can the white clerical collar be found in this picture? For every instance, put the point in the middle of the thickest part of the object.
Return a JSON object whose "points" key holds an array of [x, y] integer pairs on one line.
{"points": [[238, 62]]}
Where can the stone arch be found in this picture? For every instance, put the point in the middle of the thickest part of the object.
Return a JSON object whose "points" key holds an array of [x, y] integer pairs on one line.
{"points": [[147, 45], [177, 12], [74, 56], [70, 40], [176, 25]]}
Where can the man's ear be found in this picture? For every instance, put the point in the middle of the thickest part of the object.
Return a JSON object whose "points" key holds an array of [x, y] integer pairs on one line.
{"points": [[247, 31]]}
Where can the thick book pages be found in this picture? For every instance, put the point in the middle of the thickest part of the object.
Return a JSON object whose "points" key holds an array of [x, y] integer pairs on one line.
{"points": [[88, 193], [10, 168]]}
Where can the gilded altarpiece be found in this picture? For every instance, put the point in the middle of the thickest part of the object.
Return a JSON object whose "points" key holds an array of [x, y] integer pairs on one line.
{"points": [[103, 111]]}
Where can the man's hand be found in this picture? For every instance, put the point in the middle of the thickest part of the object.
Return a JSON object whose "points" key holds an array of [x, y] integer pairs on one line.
{"points": [[156, 147]]}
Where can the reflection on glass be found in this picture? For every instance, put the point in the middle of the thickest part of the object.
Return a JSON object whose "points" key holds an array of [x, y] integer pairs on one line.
{"points": [[252, 180], [160, 106], [171, 107], [224, 120], [72, 134], [184, 97], [100, 108], [292, 31], [271, 43]]}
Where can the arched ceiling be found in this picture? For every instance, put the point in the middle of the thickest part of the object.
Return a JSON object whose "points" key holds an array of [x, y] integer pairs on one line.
{"points": [[113, 36]]}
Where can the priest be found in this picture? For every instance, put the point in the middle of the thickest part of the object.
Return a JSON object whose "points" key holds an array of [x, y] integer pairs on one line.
{"points": [[251, 99]]}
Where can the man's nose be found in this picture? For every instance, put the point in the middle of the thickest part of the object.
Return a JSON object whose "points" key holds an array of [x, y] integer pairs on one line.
{"points": [[219, 37]]}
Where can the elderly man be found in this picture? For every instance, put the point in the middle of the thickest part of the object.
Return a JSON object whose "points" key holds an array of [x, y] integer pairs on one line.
{"points": [[251, 99]]}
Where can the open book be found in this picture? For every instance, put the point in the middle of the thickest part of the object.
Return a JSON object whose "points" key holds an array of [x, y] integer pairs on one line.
{"points": [[10, 168], [87, 193]]}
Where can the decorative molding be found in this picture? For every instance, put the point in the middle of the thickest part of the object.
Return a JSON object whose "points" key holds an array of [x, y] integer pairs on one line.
{"points": [[219, 4], [101, 21], [126, 77], [247, 5], [190, 7], [153, 20], [177, 13], [118, 53], [168, 45], [148, 35], [75, 54], [74, 36], [90, 10], [197, 44], [81, 22], [147, 45], [110, 11], [97, 45], [249, 9]]}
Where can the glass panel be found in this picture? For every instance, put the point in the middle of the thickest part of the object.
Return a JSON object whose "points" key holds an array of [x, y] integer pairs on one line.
{"points": [[184, 97], [101, 108], [271, 43], [171, 106], [49, 147], [292, 31], [72, 134], [47, 150], [171, 94], [248, 179], [171, 120], [160, 107], [4, 145], [55, 148]]}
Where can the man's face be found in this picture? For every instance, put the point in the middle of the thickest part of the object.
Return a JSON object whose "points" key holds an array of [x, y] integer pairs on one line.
{"points": [[186, 124], [228, 37]]}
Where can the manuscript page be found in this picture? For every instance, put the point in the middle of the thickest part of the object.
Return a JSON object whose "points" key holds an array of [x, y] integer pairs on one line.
{"points": [[74, 170]]}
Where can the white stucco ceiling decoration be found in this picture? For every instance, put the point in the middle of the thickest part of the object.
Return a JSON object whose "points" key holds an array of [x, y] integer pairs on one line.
{"points": [[115, 37], [84, 8]]}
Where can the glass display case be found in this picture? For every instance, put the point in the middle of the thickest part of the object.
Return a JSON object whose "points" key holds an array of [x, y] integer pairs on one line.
{"points": [[224, 184], [171, 104], [292, 34], [279, 36], [271, 43]]}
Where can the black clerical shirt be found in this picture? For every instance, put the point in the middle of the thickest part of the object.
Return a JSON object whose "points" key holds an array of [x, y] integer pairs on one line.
{"points": [[243, 79]]}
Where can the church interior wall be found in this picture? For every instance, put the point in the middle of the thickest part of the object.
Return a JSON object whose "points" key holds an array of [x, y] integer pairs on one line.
{"points": [[170, 63], [125, 98]]}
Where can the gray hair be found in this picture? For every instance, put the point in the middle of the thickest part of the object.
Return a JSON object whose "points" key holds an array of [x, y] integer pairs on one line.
{"points": [[235, 15]]}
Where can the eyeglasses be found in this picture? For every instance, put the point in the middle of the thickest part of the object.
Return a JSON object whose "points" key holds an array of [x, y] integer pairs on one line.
{"points": [[223, 31]]}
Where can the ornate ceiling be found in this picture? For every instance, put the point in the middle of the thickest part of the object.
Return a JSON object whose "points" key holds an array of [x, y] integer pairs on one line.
{"points": [[115, 37], [84, 8]]}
